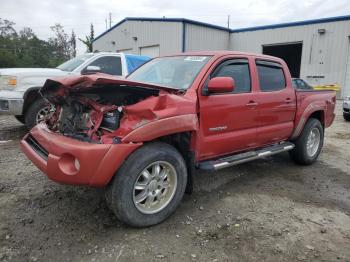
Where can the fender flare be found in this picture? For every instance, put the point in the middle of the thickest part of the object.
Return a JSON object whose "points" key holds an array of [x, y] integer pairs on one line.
{"points": [[309, 110], [34, 88], [163, 127], [26, 94]]}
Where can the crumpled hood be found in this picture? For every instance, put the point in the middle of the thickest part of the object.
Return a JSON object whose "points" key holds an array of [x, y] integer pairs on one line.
{"points": [[88, 81], [159, 109], [62, 86]]}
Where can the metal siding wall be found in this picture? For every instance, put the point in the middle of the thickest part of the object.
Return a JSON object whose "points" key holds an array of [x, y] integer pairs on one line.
{"points": [[168, 35], [203, 38], [330, 48], [347, 74]]}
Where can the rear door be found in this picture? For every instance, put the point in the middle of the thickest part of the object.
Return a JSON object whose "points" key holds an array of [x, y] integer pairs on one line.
{"points": [[276, 102], [228, 121]]}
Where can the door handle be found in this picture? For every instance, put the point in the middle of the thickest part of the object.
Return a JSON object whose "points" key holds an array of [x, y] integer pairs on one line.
{"points": [[288, 100], [252, 103]]}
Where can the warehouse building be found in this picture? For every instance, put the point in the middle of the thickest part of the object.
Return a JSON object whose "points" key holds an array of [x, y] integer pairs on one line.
{"points": [[162, 36], [315, 50]]}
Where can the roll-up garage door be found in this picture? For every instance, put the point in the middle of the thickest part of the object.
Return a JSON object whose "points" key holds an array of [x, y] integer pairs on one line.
{"points": [[151, 51]]}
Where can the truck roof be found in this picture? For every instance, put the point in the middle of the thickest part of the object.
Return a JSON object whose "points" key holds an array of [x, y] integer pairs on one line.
{"points": [[220, 53]]}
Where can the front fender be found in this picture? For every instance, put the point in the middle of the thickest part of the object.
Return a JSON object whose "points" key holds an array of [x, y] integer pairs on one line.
{"points": [[163, 127]]}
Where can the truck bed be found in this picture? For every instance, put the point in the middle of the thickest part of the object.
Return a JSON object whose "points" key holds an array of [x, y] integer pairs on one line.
{"points": [[309, 100]]}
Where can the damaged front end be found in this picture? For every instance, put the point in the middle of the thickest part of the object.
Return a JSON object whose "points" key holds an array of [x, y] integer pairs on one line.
{"points": [[102, 109]]}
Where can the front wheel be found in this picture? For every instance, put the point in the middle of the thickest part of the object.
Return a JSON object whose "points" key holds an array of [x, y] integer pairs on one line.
{"points": [[149, 185], [37, 112], [309, 144]]}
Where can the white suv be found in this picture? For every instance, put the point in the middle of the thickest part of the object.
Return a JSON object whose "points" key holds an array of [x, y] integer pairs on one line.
{"points": [[19, 87]]}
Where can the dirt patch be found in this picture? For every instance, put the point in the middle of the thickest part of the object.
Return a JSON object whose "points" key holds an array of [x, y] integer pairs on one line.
{"points": [[266, 210], [345, 136], [10, 129]]}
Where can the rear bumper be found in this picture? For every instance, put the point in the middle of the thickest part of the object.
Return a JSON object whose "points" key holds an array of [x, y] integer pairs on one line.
{"points": [[68, 161]]}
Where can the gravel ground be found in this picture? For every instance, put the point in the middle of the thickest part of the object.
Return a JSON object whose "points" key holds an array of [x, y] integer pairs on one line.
{"points": [[266, 210]]}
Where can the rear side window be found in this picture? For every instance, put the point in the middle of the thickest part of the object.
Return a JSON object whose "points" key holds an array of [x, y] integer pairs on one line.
{"points": [[303, 85], [271, 76], [109, 65], [237, 69]]}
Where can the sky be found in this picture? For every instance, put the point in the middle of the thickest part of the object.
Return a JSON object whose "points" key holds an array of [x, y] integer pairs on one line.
{"points": [[78, 14]]}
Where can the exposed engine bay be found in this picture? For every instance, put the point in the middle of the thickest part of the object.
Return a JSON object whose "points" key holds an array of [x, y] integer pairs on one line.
{"points": [[89, 114], [106, 109]]}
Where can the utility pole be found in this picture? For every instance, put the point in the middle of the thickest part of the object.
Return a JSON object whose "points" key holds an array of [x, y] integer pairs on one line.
{"points": [[228, 21], [106, 23], [110, 20]]}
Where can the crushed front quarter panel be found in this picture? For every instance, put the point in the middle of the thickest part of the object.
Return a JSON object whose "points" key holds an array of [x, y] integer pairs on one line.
{"points": [[161, 113]]}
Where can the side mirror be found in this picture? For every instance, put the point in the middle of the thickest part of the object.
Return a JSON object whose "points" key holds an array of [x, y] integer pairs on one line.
{"points": [[91, 70], [222, 84]]}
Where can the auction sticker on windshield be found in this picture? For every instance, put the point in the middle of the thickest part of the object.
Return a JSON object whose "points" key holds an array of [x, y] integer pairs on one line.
{"points": [[195, 58]]}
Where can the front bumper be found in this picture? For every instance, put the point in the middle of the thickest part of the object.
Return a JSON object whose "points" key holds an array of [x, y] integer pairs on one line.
{"points": [[11, 102], [69, 161], [11, 106]]}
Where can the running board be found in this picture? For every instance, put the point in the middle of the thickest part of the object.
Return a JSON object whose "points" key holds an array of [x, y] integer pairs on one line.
{"points": [[213, 165]]}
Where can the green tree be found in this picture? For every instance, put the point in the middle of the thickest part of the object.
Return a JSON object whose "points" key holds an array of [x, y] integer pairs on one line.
{"points": [[6, 28], [7, 59], [89, 39], [73, 45], [60, 43], [8, 48], [25, 49]]}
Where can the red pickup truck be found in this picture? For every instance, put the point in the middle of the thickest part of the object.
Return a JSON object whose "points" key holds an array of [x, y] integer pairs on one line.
{"points": [[142, 137]]}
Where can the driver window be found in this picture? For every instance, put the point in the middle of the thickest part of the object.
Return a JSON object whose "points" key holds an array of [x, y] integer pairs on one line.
{"points": [[239, 71], [109, 65]]}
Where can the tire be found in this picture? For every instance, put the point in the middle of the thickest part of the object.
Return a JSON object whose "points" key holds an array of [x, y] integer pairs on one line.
{"points": [[20, 119], [122, 196], [346, 117], [30, 117], [300, 154]]}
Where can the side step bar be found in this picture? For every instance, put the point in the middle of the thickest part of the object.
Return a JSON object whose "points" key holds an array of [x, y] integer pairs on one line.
{"points": [[213, 165]]}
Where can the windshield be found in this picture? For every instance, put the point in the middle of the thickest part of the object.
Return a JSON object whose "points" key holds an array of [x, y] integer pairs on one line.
{"points": [[176, 72], [72, 64]]}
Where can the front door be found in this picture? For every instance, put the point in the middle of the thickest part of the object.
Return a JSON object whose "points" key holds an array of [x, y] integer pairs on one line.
{"points": [[228, 121]]}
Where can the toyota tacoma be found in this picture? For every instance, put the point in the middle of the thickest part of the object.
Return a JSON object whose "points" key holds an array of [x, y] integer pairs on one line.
{"points": [[143, 137]]}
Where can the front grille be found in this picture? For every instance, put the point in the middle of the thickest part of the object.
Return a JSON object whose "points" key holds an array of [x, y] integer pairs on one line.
{"points": [[37, 147]]}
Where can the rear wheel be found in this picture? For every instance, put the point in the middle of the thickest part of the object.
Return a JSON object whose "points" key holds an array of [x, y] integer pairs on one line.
{"points": [[346, 117], [309, 144], [37, 112], [149, 185]]}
